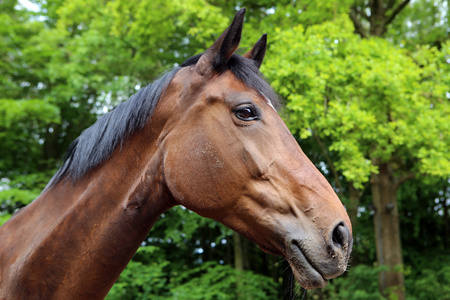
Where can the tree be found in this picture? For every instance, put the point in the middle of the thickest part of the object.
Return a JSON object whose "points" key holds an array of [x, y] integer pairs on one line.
{"points": [[406, 22], [369, 109], [72, 61], [84, 57], [24, 115], [372, 18], [387, 125]]}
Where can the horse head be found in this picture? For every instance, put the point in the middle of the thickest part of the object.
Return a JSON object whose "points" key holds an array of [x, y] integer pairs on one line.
{"points": [[229, 156]]}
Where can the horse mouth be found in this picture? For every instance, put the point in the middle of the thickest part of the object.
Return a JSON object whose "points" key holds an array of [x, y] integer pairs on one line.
{"points": [[303, 268]]}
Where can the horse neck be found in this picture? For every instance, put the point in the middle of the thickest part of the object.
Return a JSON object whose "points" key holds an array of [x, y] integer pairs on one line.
{"points": [[76, 238]]}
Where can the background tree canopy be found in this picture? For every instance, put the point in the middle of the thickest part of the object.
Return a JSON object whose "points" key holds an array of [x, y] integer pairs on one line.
{"points": [[367, 89]]}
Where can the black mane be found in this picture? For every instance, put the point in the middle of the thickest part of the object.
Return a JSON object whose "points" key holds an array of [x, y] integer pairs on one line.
{"points": [[97, 143]]}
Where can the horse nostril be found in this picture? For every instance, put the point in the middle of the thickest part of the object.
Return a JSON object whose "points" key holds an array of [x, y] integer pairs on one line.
{"points": [[340, 235]]}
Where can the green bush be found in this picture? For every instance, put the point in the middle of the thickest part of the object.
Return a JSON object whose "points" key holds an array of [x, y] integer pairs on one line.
{"points": [[360, 282], [209, 281], [431, 278], [214, 281]]}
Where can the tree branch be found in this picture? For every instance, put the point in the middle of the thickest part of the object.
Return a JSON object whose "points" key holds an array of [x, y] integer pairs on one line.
{"points": [[360, 11], [358, 26], [396, 11], [390, 4], [364, 15], [403, 179]]}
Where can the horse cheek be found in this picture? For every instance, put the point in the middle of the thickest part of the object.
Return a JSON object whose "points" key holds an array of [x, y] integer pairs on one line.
{"points": [[192, 176]]}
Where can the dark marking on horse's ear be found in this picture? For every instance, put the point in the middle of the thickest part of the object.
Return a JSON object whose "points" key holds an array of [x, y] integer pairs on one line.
{"points": [[222, 49], [258, 51]]}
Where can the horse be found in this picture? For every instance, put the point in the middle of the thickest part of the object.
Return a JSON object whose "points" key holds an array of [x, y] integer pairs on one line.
{"points": [[206, 135]]}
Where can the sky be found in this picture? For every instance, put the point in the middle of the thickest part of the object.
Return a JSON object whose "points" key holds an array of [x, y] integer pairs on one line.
{"points": [[29, 5]]}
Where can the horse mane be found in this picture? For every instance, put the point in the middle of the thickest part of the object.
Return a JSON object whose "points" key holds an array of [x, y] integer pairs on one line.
{"points": [[97, 143]]}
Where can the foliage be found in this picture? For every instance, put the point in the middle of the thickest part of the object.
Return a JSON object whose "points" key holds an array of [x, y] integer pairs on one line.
{"points": [[17, 32], [215, 281], [361, 282], [16, 193], [422, 22], [23, 125], [353, 90], [431, 279], [144, 277], [350, 101], [210, 280]]}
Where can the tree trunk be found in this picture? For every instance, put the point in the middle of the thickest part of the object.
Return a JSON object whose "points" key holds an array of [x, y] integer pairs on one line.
{"points": [[353, 203], [446, 216], [377, 18], [387, 232], [238, 252], [239, 261], [382, 13]]}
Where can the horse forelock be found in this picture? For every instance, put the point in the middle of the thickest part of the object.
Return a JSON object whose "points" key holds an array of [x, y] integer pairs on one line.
{"points": [[97, 143]]}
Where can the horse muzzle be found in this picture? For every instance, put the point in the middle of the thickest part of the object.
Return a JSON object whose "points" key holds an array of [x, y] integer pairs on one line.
{"points": [[315, 261]]}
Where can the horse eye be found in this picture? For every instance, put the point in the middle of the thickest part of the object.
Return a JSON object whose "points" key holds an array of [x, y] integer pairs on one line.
{"points": [[246, 113]]}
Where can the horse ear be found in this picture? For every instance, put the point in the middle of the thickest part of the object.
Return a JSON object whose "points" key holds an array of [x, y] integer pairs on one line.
{"points": [[223, 47], [258, 51]]}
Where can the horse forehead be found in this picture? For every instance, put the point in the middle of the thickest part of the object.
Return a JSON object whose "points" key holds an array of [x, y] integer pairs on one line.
{"points": [[227, 80], [225, 84], [219, 86]]}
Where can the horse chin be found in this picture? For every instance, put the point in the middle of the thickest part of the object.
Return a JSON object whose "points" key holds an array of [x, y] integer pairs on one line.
{"points": [[304, 271], [309, 278]]}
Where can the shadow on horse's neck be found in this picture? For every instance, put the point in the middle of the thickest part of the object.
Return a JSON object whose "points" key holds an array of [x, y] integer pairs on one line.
{"points": [[99, 220]]}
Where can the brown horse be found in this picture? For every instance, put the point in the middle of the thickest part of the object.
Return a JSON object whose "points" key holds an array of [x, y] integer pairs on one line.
{"points": [[206, 136]]}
